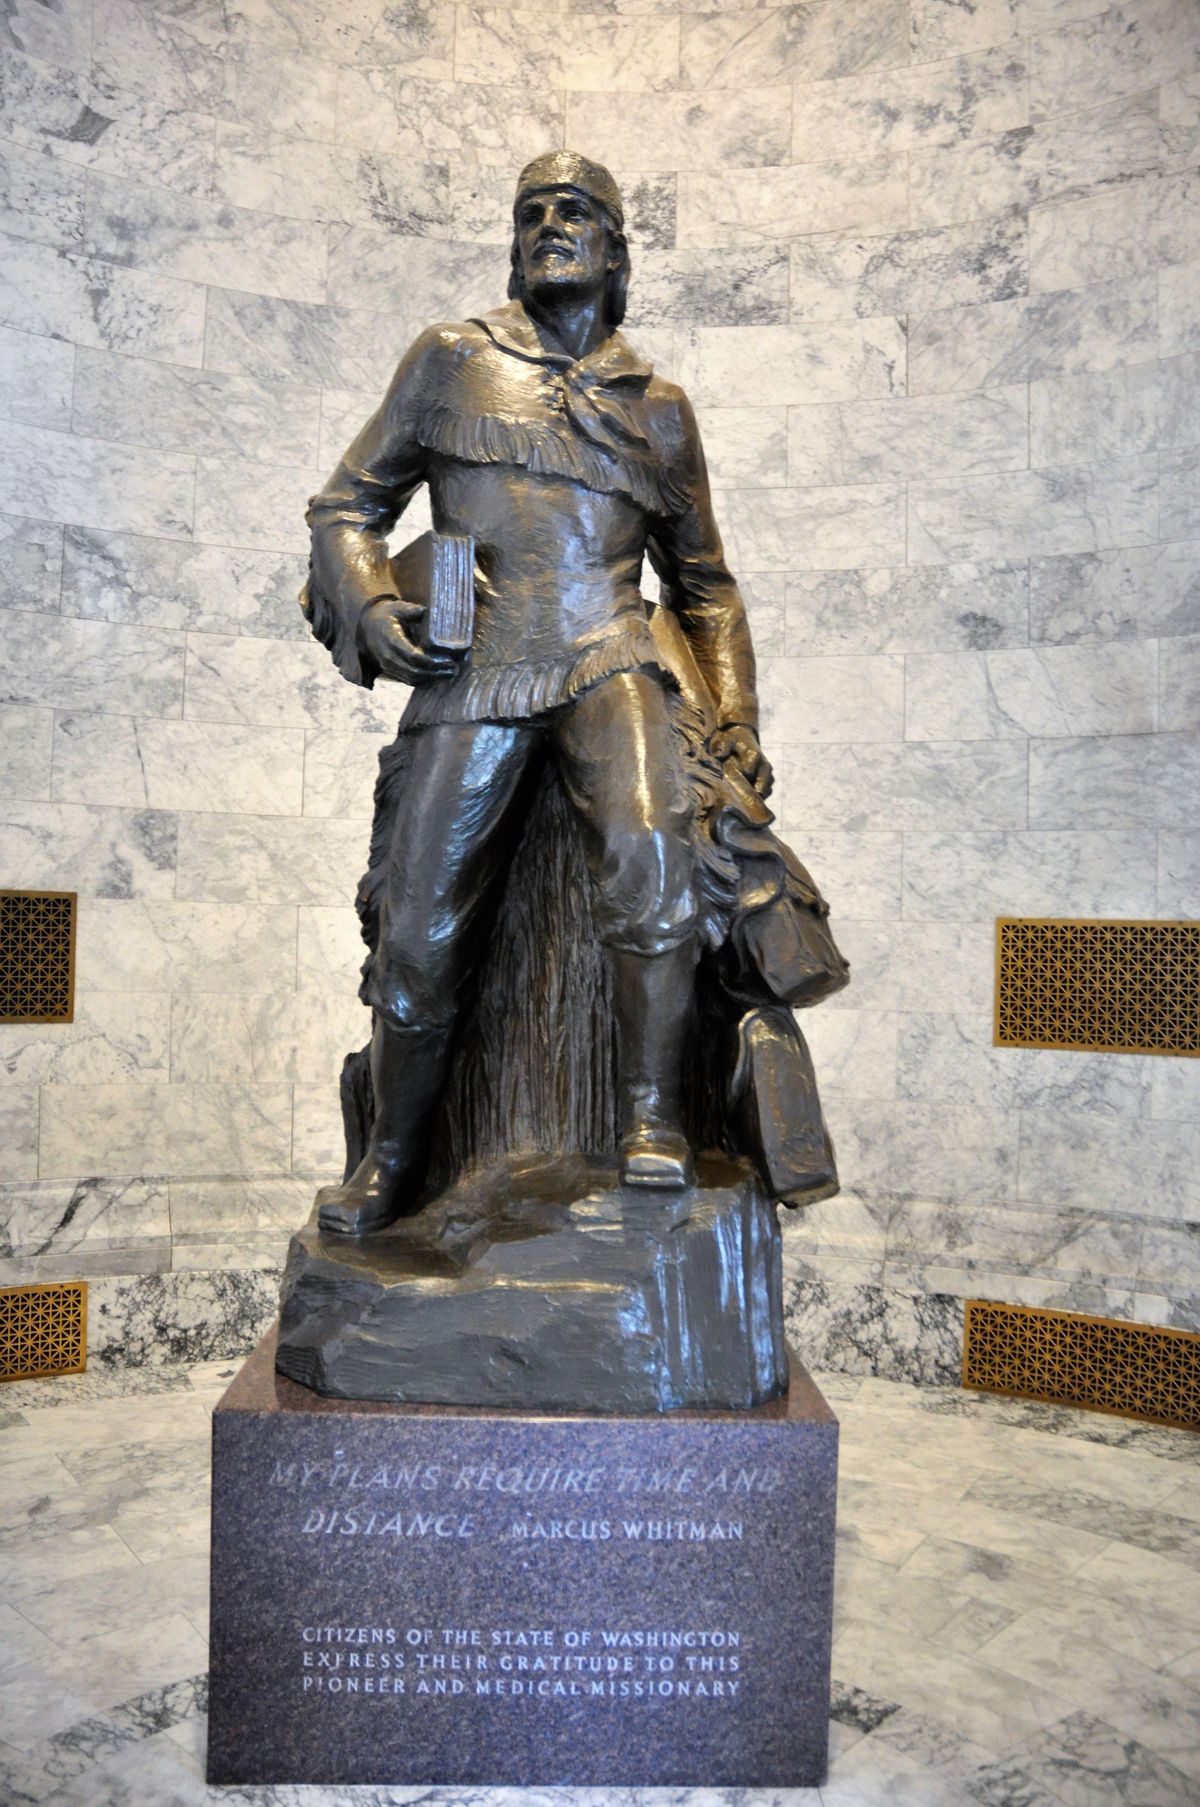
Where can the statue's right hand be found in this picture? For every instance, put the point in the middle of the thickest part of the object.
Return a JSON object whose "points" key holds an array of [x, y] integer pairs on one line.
{"points": [[384, 634]]}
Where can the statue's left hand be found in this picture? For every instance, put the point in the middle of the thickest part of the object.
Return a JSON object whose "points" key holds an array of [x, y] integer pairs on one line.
{"points": [[741, 744]]}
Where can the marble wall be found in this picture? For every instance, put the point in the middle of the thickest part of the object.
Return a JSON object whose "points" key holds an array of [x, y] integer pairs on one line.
{"points": [[930, 273]]}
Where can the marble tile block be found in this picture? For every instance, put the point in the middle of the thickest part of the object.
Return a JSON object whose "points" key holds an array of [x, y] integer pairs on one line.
{"points": [[813, 529], [167, 765], [1179, 493], [805, 43], [283, 89], [56, 37], [147, 945], [907, 609], [371, 35], [1032, 873], [113, 1038], [234, 678], [340, 769], [241, 502], [952, 1057], [154, 404], [47, 290], [839, 274], [165, 1130], [1133, 594], [19, 1110], [606, 53], [277, 341], [693, 131], [864, 442], [331, 950], [770, 365], [1066, 1260], [31, 564], [909, 109], [1070, 509], [1124, 50], [157, 55], [859, 874], [1179, 308], [1178, 872], [343, 413], [318, 1135], [1125, 231], [1043, 691], [263, 859], [266, 1040], [98, 852], [435, 280], [59, 662], [928, 1149], [1069, 332], [745, 447], [746, 287], [36, 376], [1126, 781], [806, 700], [295, 178], [92, 483], [761, 206], [175, 585], [854, 1050], [904, 966], [40, 198], [1148, 1169], [203, 240], [969, 785], [390, 109], [26, 736], [1179, 681], [1174, 1090], [69, 1229], [762, 593], [857, 1329], [179, 1317], [1081, 419], [208, 1212]]}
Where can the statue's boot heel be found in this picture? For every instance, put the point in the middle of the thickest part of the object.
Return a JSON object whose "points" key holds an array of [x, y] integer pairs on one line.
{"points": [[652, 998], [653, 1156], [408, 1069]]}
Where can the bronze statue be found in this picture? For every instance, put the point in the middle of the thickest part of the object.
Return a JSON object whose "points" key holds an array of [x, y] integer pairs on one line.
{"points": [[580, 724]]}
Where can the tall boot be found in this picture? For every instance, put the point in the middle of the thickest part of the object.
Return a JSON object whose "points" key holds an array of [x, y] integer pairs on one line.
{"points": [[408, 1069], [652, 997]]}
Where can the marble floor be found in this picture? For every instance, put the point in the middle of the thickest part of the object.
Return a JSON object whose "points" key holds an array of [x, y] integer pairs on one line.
{"points": [[1018, 1607]]}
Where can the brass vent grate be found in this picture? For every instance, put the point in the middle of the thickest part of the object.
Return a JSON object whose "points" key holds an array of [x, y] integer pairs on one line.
{"points": [[1134, 1370], [37, 956], [43, 1330], [1129, 987]]}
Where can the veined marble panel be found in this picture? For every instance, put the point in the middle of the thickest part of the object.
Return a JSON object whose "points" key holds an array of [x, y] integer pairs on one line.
{"points": [[177, 765], [55, 36], [31, 565], [839, 274], [1032, 873], [225, 1210], [343, 413], [297, 178], [859, 874], [36, 376], [1178, 873], [762, 593], [1121, 232], [1042, 691], [277, 341], [331, 950], [1179, 684], [813, 529], [651, 209], [1125, 781], [240, 502], [204, 241], [1071, 509], [184, 1317], [172, 584], [854, 1050], [843, 1241], [864, 442], [340, 769], [301, 1036], [806, 43], [600, 52], [767, 366], [154, 404], [372, 34], [93, 483], [233, 678], [392, 110], [745, 287], [19, 1117], [763, 206], [923, 966], [420, 279], [1065, 1260], [745, 447], [1174, 1085], [40, 198], [836, 698], [98, 852], [1179, 493], [62, 293], [1109, 414], [1179, 309], [871, 1330], [952, 1057], [55, 1230], [954, 1153], [1124, 50], [907, 609], [318, 1138], [1055, 159], [909, 109], [277, 859], [704, 130], [1063, 334], [113, 1038], [62, 114], [1132, 594], [148, 945], [61, 663], [282, 89], [1146, 1168], [158, 54], [971, 785], [26, 736]]}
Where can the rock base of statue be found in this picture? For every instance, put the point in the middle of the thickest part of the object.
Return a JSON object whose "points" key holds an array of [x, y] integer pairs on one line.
{"points": [[544, 1284], [416, 1595]]}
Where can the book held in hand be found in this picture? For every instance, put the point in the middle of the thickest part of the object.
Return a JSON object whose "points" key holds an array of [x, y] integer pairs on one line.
{"points": [[438, 571]]}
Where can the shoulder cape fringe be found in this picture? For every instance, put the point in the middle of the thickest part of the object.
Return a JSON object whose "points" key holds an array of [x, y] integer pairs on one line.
{"points": [[516, 692], [536, 446]]}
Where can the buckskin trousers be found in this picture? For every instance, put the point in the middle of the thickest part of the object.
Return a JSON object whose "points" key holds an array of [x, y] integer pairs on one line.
{"points": [[458, 820]]}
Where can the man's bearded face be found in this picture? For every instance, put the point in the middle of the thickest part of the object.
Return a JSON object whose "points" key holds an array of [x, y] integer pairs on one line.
{"points": [[564, 243]]}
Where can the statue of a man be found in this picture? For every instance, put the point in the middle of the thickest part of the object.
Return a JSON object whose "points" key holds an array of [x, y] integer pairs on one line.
{"points": [[547, 441]]}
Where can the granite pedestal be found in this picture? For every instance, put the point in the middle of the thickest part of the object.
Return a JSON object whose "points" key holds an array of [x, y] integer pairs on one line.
{"points": [[424, 1595]]}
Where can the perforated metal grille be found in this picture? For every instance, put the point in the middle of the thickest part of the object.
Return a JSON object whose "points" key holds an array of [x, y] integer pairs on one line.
{"points": [[1130, 987], [43, 1330], [37, 956], [1134, 1370]]}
